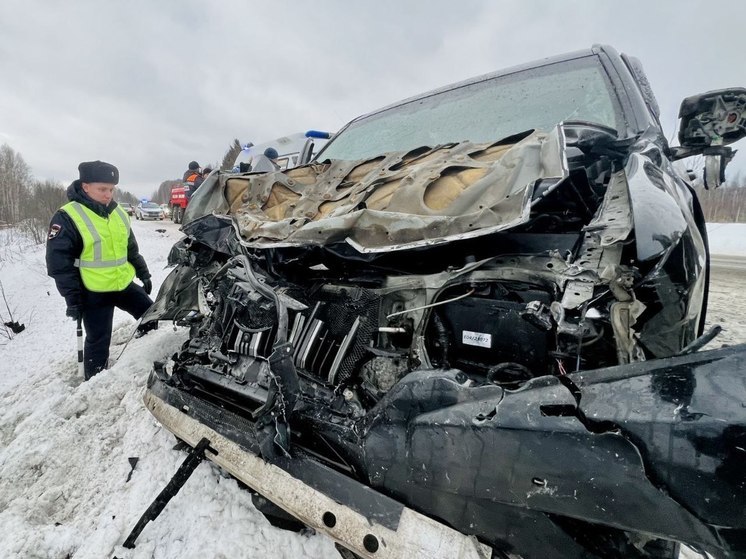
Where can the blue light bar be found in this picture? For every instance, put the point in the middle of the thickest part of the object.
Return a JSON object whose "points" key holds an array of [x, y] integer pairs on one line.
{"points": [[318, 134]]}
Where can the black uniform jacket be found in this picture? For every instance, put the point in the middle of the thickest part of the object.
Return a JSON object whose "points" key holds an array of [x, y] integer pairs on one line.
{"points": [[198, 180], [64, 245]]}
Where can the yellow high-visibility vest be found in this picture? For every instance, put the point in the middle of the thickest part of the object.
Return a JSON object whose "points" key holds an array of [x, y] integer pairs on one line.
{"points": [[103, 263]]}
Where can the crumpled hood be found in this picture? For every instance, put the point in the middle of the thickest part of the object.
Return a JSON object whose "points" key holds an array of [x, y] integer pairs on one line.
{"points": [[397, 200]]}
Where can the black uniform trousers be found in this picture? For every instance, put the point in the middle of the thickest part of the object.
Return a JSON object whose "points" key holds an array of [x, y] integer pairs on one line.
{"points": [[98, 315]]}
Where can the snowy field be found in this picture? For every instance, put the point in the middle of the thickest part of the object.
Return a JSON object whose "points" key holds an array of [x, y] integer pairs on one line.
{"points": [[727, 239], [65, 445]]}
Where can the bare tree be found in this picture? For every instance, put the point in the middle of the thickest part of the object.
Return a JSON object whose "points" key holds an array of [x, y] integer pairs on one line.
{"points": [[125, 196], [230, 155], [15, 177], [163, 194], [726, 204], [44, 198], [39, 204]]}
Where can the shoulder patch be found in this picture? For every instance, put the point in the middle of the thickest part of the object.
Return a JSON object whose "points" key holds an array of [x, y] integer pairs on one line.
{"points": [[54, 231]]}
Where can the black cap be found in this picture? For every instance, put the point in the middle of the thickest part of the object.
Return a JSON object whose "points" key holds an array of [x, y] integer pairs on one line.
{"points": [[98, 171], [193, 165], [271, 153]]}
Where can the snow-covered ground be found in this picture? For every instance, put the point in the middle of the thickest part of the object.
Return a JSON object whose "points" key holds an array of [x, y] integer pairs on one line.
{"points": [[727, 239], [65, 445]]}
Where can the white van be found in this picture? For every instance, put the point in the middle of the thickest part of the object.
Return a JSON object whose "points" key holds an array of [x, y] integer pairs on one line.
{"points": [[293, 150]]}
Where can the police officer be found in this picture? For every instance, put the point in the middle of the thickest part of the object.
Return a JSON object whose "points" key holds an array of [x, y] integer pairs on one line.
{"points": [[93, 257]]}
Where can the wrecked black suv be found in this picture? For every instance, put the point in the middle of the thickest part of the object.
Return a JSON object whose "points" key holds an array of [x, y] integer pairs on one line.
{"points": [[470, 327]]}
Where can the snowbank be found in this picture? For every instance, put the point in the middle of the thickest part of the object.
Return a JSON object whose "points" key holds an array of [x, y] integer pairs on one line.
{"points": [[65, 444], [727, 239]]}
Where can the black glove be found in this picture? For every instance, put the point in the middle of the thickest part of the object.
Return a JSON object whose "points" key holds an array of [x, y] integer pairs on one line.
{"points": [[147, 285], [74, 312]]}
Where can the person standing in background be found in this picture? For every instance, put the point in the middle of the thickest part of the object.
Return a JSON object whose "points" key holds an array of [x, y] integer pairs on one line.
{"points": [[192, 179]]}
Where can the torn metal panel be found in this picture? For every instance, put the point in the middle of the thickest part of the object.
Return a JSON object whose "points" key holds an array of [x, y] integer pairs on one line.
{"points": [[658, 221], [577, 293], [685, 414], [399, 200], [613, 221]]}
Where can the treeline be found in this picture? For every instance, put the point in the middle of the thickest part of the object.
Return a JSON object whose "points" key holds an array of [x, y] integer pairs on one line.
{"points": [[726, 204], [27, 204], [162, 195]]}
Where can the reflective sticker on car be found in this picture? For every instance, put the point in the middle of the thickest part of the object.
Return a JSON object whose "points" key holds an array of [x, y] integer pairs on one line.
{"points": [[478, 339]]}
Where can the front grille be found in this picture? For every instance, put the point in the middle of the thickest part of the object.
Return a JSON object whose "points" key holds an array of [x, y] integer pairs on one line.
{"points": [[330, 340], [329, 337], [255, 344]]}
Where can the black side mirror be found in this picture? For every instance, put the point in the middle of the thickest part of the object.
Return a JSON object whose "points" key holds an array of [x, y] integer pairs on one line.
{"points": [[715, 118], [709, 122]]}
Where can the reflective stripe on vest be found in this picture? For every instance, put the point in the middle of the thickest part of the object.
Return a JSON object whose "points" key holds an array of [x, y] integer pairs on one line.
{"points": [[103, 262]]}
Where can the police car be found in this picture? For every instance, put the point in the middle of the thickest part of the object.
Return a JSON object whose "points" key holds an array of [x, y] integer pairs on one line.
{"points": [[293, 150]]}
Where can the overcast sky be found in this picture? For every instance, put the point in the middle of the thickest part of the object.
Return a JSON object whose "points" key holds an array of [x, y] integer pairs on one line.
{"points": [[150, 86]]}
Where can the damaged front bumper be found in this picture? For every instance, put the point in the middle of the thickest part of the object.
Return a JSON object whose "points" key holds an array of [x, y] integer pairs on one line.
{"points": [[359, 518], [650, 451]]}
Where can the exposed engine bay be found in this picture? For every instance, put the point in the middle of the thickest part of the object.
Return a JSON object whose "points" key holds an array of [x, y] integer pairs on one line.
{"points": [[561, 290]]}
